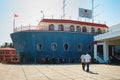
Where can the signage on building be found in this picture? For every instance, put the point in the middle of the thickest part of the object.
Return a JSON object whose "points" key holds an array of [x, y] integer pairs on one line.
{"points": [[85, 13]]}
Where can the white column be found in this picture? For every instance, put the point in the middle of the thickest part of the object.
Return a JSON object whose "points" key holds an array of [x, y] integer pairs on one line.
{"points": [[105, 52], [95, 51]]}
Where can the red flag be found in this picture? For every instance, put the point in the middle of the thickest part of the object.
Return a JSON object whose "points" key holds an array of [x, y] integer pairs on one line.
{"points": [[15, 15]]}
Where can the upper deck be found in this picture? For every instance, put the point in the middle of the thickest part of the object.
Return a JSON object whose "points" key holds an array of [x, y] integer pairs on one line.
{"points": [[65, 26]]}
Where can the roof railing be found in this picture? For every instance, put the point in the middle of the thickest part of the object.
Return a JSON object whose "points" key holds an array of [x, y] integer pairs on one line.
{"points": [[43, 28]]}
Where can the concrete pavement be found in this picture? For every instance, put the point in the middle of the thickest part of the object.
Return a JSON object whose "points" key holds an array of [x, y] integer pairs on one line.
{"points": [[59, 72]]}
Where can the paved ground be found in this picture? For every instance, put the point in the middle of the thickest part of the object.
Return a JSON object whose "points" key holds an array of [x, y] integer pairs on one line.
{"points": [[59, 72]]}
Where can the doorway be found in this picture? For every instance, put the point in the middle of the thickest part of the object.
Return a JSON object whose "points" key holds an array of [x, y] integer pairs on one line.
{"points": [[100, 51]]}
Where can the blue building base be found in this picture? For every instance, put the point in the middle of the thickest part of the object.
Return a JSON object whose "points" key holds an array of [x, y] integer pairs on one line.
{"points": [[37, 46]]}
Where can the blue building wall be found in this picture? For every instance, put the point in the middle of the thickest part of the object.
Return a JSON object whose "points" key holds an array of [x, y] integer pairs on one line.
{"points": [[26, 44]]}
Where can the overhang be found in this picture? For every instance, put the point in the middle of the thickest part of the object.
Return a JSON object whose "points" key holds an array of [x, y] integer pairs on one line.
{"points": [[111, 36]]}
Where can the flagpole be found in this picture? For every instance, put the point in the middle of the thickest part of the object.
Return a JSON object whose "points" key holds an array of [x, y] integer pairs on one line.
{"points": [[14, 24]]}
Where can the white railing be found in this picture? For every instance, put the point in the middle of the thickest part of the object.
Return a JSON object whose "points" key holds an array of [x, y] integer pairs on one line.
{"points": [[24, 28], [40, 28], [100, 60], [45, 28]]}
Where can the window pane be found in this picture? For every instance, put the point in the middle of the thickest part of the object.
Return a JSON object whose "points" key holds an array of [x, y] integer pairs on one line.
{"points": [[72, 28], [99, 31], [78, 29], [61, 28], [89, 47], [39, 46], [92, 30], [79, 47], [84, 29], [53, 46], [66, 46], [51, 27]]}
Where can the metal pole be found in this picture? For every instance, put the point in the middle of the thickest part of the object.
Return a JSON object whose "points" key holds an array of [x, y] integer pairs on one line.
{"points": [[43, 14], [14, 25], [64, 9], [92, 11]]}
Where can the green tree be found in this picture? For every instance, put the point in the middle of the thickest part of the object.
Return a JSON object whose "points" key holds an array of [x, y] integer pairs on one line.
{"points": [[6, 44]]}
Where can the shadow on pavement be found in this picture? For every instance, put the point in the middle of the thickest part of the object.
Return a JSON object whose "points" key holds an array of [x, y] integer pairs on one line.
{"points": [[91, 72]]}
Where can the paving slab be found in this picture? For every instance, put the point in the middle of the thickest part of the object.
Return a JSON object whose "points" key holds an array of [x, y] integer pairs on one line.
{"points": [[59, 72]]}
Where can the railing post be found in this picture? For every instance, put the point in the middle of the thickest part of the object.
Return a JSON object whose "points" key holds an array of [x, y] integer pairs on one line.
{"points": [[29, 26], [21, 27]]}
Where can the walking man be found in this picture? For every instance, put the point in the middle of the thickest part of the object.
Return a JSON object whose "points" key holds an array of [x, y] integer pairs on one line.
{"points": [[87, 60], [83, 61]]}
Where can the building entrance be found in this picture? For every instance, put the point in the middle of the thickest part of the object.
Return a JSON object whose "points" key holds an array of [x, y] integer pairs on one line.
{"points": [[114, 54]]}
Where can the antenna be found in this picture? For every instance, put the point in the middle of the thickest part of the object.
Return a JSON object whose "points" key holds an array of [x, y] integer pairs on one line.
{"points": [[93, 7], [64, 1], [92, 11]]}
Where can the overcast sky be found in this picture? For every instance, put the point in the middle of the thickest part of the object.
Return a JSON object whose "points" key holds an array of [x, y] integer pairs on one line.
{"points": [[29, 12]]}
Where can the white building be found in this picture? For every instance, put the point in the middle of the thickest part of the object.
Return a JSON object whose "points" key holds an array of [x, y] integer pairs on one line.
{"points": [[107, 45]]}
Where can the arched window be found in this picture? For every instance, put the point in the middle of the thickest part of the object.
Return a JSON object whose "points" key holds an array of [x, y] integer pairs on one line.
{"points": [[104, 31], [51, 27], [79, 47], [39, 47], [61, 28], [84, 29], [92, 30], [66, 46], [72, 28], [53, 46], [99, 31], [78, 29]]}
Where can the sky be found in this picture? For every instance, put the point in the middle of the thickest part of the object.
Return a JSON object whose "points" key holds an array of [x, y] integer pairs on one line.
{"points": [[29, 12]]}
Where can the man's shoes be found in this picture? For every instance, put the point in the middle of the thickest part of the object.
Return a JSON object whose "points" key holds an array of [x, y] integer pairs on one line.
{"points": [[87, 70], [83, 68]]}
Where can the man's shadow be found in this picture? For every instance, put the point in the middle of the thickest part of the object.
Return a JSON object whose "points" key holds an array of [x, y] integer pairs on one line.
{"points": [[91, 72]]}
